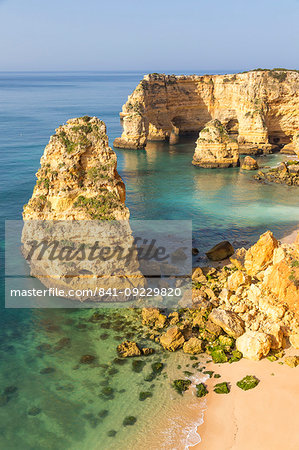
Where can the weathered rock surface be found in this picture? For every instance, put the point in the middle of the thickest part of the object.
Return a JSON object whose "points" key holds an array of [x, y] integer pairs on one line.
{"points": [[153, 317], [260, 255], [249, 163], [254, 345], [228, 321], [78, 177], [221, 251], [129, 349], [259, 108], [172, 339], [193, 346], [215, 148]]}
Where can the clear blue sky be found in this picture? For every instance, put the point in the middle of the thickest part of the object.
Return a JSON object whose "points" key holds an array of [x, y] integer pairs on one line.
{"points": [[152, 35]]}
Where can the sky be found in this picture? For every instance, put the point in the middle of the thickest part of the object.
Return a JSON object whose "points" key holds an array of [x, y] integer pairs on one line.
{"points": [[152, 35]]}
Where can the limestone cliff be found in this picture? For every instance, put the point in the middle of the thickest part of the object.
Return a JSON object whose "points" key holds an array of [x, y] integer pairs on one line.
{"points": [[215, 148], [260, 108], [78, 177]]}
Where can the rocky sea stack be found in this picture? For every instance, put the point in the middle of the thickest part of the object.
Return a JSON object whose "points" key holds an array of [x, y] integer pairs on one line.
{"points": [[215, 148], [78, 177], [78, 203]]}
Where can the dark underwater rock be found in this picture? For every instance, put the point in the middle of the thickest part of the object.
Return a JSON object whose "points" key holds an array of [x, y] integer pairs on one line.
{"points": [[87, 359], [129, 420]]}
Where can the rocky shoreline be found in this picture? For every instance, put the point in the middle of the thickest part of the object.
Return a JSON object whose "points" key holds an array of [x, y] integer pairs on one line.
{"points": [[287, 173]]}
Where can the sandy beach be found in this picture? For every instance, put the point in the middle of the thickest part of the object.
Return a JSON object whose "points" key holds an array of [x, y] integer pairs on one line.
{"points": [[264, 418]]}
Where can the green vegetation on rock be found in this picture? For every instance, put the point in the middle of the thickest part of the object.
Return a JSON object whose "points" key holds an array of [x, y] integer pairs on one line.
{"points": [[181, 385], [248, 382], [221, 388], [201, 390]]}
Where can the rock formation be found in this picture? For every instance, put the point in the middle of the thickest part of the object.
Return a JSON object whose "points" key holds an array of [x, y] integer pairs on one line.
{"points": [[286, 173], [215, 148], [248, 308], [259, 108], [78, 177], [249, 163], [78, 207]]}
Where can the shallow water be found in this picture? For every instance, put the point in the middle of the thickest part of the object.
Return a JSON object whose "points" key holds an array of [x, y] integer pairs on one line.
{"points": [[161, 184]]}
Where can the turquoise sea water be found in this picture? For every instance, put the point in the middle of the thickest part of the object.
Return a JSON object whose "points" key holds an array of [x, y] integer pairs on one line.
{"points": [[75, 409]]}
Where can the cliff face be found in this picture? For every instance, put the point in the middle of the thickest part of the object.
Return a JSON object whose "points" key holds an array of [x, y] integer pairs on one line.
{"points": [[77, 196], [259, 108], [78, 177], [215, 148]]}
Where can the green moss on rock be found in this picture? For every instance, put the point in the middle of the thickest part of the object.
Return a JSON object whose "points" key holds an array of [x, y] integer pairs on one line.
{"points": [[221, 388], [201, 390], [248, 382]]}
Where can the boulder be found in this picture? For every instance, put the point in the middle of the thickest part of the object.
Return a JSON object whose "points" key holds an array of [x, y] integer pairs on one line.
{"points": [[193, 346], [292, 361], [128, 349], [172, 339], [221, 251], [274, 330], [249, 163], [230, 322], [237, 279], [152, 317], [260, 255], [254, 345], [294, 340]]}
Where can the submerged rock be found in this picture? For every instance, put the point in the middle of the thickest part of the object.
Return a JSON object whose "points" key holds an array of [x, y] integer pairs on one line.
{"points": [[34, 411], [254, 345], [144, 395], [181, 385], [87, 359], [221, 251], [129, 420]]}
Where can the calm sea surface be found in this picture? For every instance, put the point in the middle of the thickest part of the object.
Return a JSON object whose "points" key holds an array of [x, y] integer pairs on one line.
{"points": [[83, 407]]}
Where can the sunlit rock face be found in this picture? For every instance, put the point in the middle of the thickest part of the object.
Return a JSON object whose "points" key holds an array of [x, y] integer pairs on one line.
{"points": [[258, 108], [215, 148], [77, 218]]}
